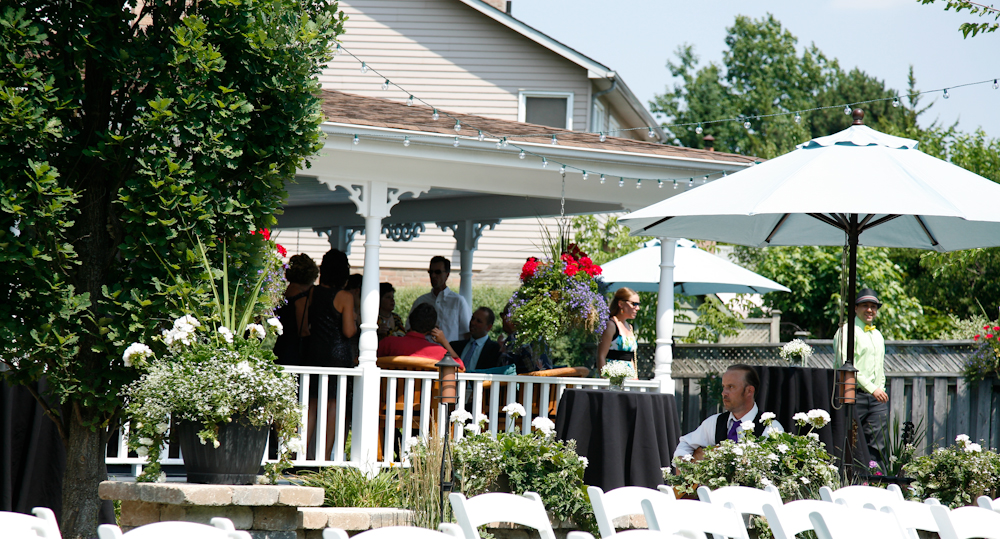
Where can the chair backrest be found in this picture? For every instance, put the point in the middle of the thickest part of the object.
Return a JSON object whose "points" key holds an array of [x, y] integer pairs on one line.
{"points": [[406, 363], [447, 531], [680, 516], [742, 499], [913, 516], [859, 495], [966, 522], [527, 510], [620, 502], [988, 503], [793, 517], [221, 528], [18, 525], [852, 522]]}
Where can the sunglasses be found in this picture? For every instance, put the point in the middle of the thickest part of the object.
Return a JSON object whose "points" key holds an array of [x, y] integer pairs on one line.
{"points": [[435, 272], [634, 304]]}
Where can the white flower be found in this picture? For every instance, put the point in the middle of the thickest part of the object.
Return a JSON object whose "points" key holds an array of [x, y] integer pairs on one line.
{"points": [[747, 426], [773, 457], [411, 442], [295, 445], [226, 333], [813, 435], [215, 444], [737, 450], [783, 448], [543, 424], [162, 427], [687, 458], [766, 482], [472, 428], [797, 350], [892, 458], [482, 420], [805, 480], [973, 448], [800, 418], [146, 441], [142, 451], [187, 320], [586, 462], [244, 367], [767, 417], [257, 331], [515, 409], [617, 369], [136, 351], [818, 418], [665, 470], [460, 417], [162, 478], [276, 324], [962, 439]]}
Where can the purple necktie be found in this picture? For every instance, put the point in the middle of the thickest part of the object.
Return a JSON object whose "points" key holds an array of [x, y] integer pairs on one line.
{"points": [[732, 431]]}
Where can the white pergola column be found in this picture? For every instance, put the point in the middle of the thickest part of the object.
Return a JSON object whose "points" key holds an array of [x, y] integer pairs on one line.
{"points": [[664, 357], [467, 234], [374, 200]]}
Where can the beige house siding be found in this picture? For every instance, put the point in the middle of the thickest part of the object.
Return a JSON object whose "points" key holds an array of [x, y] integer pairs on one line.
{"points": [[452, 56]]}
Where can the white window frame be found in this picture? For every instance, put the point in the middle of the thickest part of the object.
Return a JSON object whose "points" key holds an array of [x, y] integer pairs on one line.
{"points": [[522, 104], [602, 114]]}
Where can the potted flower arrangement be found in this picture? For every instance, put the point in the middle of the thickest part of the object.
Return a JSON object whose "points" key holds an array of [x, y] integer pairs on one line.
{"points": [[985, 360], [955, 475], [617, 372], [556, 296], [796, 352], [213, 387]]}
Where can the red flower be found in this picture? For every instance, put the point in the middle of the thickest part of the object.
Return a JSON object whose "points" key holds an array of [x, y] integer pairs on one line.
{"points": [[571, 269], [996, 328], [263, 232], [975, 338], [989, 335], [528, 269], [281, 250], [986, 327]]}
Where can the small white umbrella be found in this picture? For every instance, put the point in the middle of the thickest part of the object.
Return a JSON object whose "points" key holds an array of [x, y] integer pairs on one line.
{"points": [[696, 272]]}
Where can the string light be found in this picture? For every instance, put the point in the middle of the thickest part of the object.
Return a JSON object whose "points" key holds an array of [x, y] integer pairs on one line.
{"points": [[621, 182], [946, 96], [638, 184], [603, 137], [996, 84], [458, 126], [504, 140], [798, 118], [435, 116], [364, 67], [356, 140], [699, 129], [456, 143], [482, 137], [690, 182], [554, 140], [705, 179], [336, 53], [521, 155], [650, 133], [406, 141], [562, 169], [385, 85], [602, 179], [584, 175], [545, 162], [675, 184], [847, 110], [746, 124], [659, 184], [895, 102], [409, 102]]}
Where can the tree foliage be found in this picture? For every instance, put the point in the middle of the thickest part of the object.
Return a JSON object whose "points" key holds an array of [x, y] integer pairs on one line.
{"points": [[979, 10], [125, 131]]}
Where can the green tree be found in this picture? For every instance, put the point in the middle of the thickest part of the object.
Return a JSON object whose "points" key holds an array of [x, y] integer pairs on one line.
{"points": [[125, 131], [979, 10]]}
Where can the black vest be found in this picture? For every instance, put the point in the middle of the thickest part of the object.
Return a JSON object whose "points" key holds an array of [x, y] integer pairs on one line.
{"points": [[722, 427]]}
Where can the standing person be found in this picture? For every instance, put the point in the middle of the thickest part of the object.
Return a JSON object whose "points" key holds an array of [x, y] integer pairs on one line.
{"points": [[291, 344], [389, 323], [452, 309], [479, 351], [869, 359], [618, 342]]}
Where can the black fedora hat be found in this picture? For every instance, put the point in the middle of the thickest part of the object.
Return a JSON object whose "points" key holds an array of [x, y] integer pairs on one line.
{"points": [[867, 295]]}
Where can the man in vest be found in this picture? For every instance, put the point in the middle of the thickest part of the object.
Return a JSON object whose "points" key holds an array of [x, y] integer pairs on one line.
{"points": [[739, 386]]}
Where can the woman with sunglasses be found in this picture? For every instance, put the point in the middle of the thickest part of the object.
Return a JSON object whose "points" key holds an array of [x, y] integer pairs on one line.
{"points": [[618, 341]]}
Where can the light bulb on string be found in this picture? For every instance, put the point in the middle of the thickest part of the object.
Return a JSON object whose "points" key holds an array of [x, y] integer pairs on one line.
{"points": [[336, 53], [545, 162], [650, 133], [704, 180], [481, 136], [385, 85], [554, 140], [699, 129], [364, 67], [659, 184], [435, 115], [406, 141], [504, 140], [409, 102], [603, 137], [638, 184], [675, 184], [996, 84], [690, 182], [584, 175], [895, 102], [847, 110], [746, 124], [562, 169], [621, 182], [356, 140], [521, 155], [946, 96], [798, 118], [456, 143], [602, 179], [458, 126]]}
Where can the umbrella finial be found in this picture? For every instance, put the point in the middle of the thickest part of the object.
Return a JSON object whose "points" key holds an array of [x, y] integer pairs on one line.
{"points": [[859, 116]]}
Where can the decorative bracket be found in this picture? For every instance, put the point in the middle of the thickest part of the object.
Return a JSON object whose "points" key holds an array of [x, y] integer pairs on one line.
{"points": [[403, 231], [340, 236], [373, 198], [468, 232]]}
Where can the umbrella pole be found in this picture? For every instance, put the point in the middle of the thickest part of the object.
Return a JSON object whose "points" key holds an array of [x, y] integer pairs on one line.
{"points": [[852, 286]]}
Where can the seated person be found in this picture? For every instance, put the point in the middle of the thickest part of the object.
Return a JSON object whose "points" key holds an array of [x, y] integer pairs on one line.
{"points": [[423, 324], [739, 386], [479, 351]]}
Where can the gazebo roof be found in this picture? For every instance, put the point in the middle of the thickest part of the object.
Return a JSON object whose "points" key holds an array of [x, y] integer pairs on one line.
{"points": [[476, 180]]}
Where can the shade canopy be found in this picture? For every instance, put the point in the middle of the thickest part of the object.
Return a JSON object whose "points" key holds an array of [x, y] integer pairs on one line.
{"points": [[696, 272]]}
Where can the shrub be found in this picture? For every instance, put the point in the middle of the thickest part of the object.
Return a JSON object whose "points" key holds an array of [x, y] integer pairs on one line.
{"points": [[955, 475], [349, 487]]}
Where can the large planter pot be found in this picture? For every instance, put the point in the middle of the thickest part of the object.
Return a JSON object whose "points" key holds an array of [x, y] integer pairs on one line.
{"points": [[235, 462]]}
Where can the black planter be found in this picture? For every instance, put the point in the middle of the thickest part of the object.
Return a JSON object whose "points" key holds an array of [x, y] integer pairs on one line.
{"points": [[235, 462]]}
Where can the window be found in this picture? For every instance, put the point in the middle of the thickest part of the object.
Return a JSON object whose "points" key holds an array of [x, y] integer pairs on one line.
{"points": [[600, 119], [553, 109]]}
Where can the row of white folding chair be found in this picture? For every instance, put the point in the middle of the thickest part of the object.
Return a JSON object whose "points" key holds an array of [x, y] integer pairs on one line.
{"points": [[966, 522], [447, 531], [220, 528], [19, 525], [622, 501], [988, 503]]}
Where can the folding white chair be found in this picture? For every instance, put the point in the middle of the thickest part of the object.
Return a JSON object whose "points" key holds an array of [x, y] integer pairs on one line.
{"points": [[220, 528], [527, 510], [854, 522], [793, 517], [988, 503], [630, 534], [913, 516], [20, 525], [745, 500], [620, 502], [447, 531], [859, 495], [693, 517], [966, 522]]}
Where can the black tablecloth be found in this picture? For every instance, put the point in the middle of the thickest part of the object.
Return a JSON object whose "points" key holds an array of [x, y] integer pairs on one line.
{"points": [[627, 436], [789, 390]]}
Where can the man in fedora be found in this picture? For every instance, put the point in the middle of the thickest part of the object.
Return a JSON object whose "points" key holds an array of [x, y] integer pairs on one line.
{"points": [[869, 359]]}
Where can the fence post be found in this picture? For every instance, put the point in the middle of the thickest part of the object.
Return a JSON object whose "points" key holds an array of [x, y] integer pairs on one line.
{"points": [[775, 326]]}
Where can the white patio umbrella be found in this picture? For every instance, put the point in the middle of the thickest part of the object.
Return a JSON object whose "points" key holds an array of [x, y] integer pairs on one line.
{"points": [[859, 186], [696, 272]]}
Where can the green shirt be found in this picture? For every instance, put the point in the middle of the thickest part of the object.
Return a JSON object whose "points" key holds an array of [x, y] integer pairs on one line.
{"points": [[869, 355]]}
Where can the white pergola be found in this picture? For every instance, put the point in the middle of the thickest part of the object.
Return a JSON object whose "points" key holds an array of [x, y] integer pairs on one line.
{"points": [[381, 182]]}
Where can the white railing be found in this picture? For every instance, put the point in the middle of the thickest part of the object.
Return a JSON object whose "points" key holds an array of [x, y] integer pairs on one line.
{"points": [[412, 411]]}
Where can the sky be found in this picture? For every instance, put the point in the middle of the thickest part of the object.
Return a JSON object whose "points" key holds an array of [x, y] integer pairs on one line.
{"points": [[883, 38]]}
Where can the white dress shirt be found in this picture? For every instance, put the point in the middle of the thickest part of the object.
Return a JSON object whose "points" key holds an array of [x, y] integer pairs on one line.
{"points": [[453, 312], [473, 359], [704, 435]]}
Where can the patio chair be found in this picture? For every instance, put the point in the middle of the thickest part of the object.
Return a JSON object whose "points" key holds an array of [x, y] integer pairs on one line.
{"points": [[913, 517], [630, 534], [692, 518], [527, 510], [745, 500], [787, 520], [851, 522], [19, 525], [966, 522], [859, 495], [446, 531], [621, 502], [988, 503], [220, 528]]}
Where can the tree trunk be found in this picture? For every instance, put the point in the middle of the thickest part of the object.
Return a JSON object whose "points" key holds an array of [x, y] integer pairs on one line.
{"points": [[85, 469]]}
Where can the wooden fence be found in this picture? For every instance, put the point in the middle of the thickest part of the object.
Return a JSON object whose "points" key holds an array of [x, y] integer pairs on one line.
{"points": [[923, 379]]}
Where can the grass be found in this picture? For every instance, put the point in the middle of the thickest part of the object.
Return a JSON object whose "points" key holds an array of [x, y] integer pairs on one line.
{"points": [[348, 487]]}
